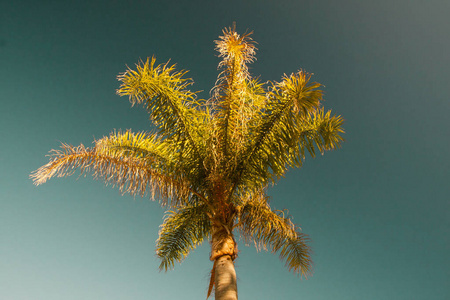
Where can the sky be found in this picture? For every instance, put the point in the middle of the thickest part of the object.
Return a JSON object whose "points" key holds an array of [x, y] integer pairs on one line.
{"points": [[377, 210]]}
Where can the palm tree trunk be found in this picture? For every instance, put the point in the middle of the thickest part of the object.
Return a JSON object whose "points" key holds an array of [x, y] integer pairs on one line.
{"points": [[223, 253], [225, 279]]}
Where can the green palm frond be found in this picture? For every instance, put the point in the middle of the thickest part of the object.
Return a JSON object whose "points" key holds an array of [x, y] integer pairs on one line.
{"points": [[270, 229], [136, 145], [172, 107], [181, 232], [243, 120], [320, 130], [290, 122], [131, 175], [302, 95]]}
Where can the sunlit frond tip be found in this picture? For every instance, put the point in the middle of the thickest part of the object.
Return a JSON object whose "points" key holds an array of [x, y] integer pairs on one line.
{"points": [[150, 80], [233, 46]]}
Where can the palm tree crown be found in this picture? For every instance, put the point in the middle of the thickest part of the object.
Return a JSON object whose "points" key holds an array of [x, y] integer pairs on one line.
{"points": [[210, 161]]}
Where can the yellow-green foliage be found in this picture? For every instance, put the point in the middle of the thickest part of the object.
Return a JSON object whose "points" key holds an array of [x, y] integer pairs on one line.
{"points": [[211, 160]]}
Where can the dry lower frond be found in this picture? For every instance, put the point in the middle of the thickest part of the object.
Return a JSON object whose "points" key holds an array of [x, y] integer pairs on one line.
{"points": [[130, 175], [181, 232], [271, 229], [136, 145]]}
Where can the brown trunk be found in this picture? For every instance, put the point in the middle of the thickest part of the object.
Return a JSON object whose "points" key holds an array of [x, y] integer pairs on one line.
{"points": [[223, 253], [225, 279]]}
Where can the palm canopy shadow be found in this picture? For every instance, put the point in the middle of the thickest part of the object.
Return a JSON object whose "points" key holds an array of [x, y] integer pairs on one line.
{"points": [[209, 161]]}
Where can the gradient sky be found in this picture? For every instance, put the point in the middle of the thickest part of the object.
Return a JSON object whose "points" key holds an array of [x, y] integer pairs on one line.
{"points": [[377, 210]]}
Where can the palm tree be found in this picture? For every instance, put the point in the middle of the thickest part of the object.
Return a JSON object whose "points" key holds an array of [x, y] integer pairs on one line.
{"points": [[210, 161]]}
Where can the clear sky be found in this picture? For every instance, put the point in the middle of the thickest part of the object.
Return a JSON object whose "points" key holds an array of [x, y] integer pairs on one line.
{"points": [[377, 210]]}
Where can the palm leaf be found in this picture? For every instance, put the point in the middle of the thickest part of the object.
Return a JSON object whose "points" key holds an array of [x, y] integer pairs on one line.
{"points": [[320, 130], [172, 108], [137, 145], [233, 95], [290, 123], [272, 229], [181, 232], [129, 174]]}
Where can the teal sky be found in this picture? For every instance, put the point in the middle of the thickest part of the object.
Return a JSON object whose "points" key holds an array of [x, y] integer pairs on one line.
{"points": [[377, 210]]}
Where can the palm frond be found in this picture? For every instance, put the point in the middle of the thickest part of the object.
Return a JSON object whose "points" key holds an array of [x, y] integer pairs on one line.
{"points": [[320, 130], [273, 230], [290, 122], [181, 232], [236, 51], [129, 174], [136, 145], [173, 108], [234, 95]]}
